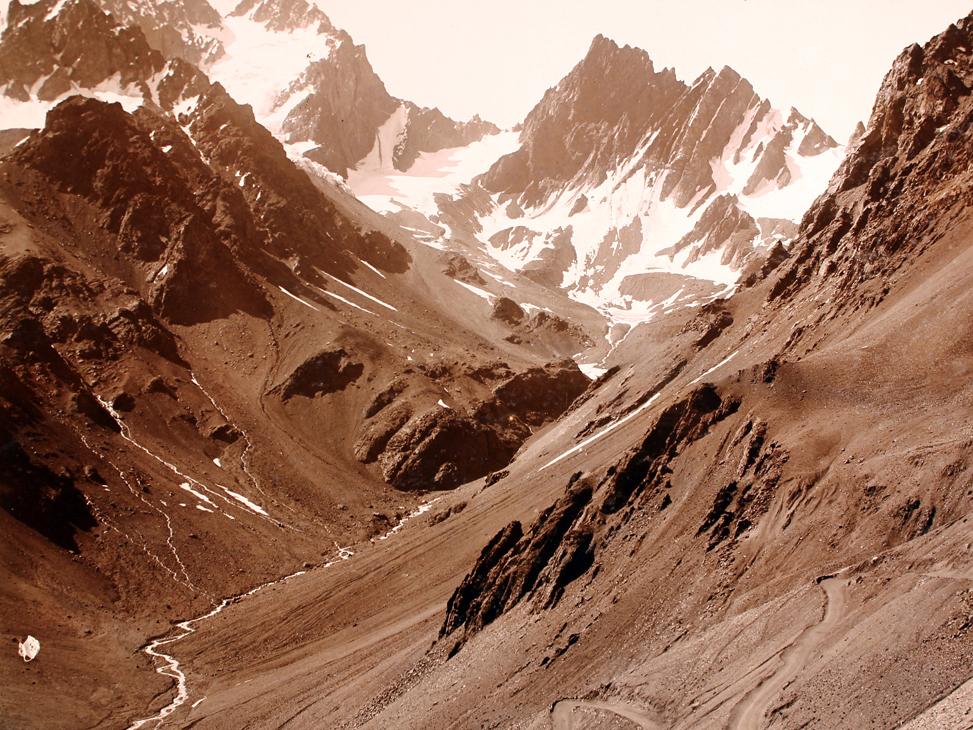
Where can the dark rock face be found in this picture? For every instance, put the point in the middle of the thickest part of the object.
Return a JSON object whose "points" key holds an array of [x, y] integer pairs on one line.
{"points": [[724, 227], [544, 322], [539, 326], [47, 502], [186, 29], [429, 130], [564, 134], [444, 448], [343, 113], [59, 328], [326, 372], [459, 267], [79, 46], [471, 601], [561, 544], [380, 431], [761, 269], [514, 564], [535, 396], [155, 215], [644, 467], [46, 304], [816, 140], [907, 168], [386, 397], [346, 88], [416, 456], [508, 311], [712, 320], [285, 15]]}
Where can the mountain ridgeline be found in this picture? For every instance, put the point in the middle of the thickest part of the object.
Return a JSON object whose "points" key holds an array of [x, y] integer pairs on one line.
{"points": [[321, 408]]}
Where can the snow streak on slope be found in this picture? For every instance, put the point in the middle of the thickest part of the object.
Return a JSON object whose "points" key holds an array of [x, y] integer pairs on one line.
{"points": [[188, 485]]}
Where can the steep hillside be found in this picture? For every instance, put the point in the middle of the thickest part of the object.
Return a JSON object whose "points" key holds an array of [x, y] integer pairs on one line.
{"points": [[760, 519], [270, 457]]}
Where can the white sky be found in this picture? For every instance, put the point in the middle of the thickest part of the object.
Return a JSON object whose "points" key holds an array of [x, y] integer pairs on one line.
{"points": [[497, 57]]}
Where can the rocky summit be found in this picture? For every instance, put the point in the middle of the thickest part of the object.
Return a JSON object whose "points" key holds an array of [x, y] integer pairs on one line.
{"points": [[319, 408]]}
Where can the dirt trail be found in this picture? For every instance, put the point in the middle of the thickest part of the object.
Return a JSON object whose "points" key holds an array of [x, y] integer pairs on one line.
{"points": [[751, 713], [563, 711]]}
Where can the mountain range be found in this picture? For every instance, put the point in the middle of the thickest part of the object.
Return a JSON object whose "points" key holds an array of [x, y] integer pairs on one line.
{"points": [[320, 407]]}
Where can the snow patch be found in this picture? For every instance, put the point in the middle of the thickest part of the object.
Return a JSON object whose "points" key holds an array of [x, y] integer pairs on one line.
{"points": [[593, 372], [602, 433], [198, 495], [298, 299], [344, 301], [476, 290], [372, 268], [252, 506], [716, 367], [359, 291], [433, 173], [389, 136], [259, 63]]}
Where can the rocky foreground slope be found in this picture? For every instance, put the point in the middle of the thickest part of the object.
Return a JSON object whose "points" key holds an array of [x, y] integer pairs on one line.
{"points": [[762, 523]]}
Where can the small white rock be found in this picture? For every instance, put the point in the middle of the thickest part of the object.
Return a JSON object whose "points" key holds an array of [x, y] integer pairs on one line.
{"points": [[29, 648]]}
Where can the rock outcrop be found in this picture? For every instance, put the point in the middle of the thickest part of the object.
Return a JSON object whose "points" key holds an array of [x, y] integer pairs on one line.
{"points": [[326, 372], [892, 190], [560, 545], [443, 448]]}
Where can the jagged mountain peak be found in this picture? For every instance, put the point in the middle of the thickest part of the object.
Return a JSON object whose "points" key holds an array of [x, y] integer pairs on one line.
{"points": [[187, 29], [44, 53], [602, 47], [307, 81], [627, 176], [285, 15], [607, 56]]}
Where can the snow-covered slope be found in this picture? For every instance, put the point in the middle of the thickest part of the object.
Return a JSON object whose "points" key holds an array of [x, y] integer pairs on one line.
{"points": [[386, 189], [316, 90], [306, 80], [631, 190]]}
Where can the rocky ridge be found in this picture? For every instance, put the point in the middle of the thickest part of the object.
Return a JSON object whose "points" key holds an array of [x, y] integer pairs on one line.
{"points": [[627, 179]]}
